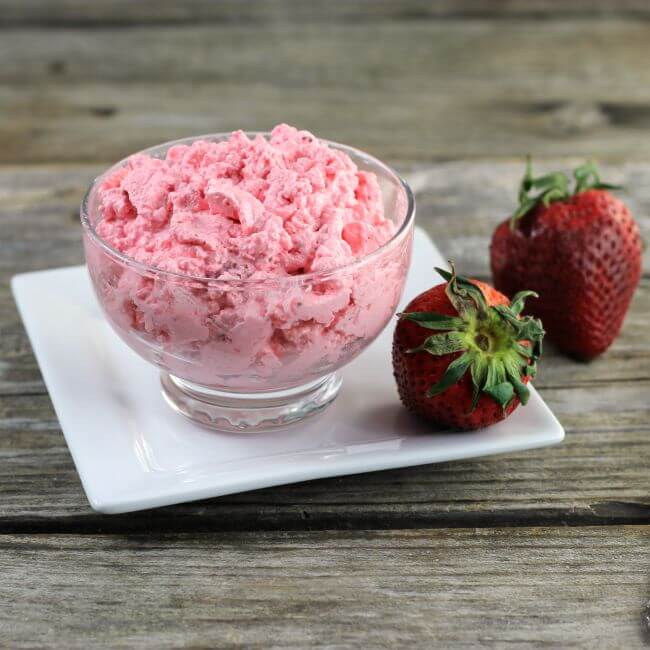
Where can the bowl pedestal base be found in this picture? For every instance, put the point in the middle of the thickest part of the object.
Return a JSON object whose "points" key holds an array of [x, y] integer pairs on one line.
{"points": [[239, 412]]}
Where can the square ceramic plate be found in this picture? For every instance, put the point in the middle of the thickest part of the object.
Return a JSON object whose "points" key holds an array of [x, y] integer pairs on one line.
{"points": [[133, 452]]}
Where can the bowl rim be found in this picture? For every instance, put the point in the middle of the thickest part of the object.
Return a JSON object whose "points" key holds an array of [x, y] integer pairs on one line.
{"points": [[150, 269]]}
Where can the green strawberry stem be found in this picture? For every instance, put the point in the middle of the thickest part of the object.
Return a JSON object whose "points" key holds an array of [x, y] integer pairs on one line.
{"points": [[498, 346], [555, 187]]}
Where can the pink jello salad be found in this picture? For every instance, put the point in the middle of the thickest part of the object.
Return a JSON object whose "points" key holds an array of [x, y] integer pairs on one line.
{"points": [[254, 225], [244, 208]]}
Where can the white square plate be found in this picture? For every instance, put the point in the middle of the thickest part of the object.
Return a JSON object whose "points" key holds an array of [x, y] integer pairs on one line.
{"points": [[133, 452]]}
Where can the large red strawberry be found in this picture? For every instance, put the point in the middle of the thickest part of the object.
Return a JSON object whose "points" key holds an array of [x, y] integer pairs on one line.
{"points": [[473, 370], [579, 250]]}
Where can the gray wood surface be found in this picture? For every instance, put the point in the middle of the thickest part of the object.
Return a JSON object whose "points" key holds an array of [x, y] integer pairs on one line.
{"points": [[422, 89], [495, 588], [598, 475], [65, 13], [546, 548]]}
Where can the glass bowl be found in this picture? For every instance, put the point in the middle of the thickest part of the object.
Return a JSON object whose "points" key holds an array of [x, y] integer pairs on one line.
{"points": [[252, 354]]}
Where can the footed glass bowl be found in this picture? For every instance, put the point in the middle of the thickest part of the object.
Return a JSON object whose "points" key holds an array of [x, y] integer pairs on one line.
{"points": [[253, 354]]}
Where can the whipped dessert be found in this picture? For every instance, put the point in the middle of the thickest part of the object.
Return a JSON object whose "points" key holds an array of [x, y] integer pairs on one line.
{"points": [[244, 208], [261, 236]]}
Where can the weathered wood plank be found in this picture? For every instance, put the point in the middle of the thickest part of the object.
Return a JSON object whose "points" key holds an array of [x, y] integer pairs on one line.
{"points": [[598, 475], [354, 56], [125, 13], [91, 121], [627, 360], [461, 203], [433, 89], [458, 203], [524, 588]]}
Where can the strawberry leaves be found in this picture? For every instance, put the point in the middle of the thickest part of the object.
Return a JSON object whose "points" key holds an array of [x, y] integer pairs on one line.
{"points": [[502, 393], [439, 344], [587, 178], [555, 187], [465, 296], [433, 321], [454, 373], [499, 347], [552, 187], [518, 301]]}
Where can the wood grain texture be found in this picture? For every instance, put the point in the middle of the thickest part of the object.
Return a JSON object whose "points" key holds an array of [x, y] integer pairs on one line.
{"points": [[413, 89], [627, 360], [65, 13], [352, 56], [85, 83], [524, 588], [598, 475], [459, 203]]}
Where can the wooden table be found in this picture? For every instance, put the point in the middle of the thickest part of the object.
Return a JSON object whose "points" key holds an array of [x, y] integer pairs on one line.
{"points": [[541, 548]]}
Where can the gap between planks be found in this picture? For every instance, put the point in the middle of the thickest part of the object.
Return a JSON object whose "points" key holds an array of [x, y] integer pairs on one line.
{"points": [[256, 517], [103, 14]]}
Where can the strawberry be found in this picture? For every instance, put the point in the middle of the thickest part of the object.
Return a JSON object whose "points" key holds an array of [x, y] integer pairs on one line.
{"points": [[473, 371], [580, 251]]}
